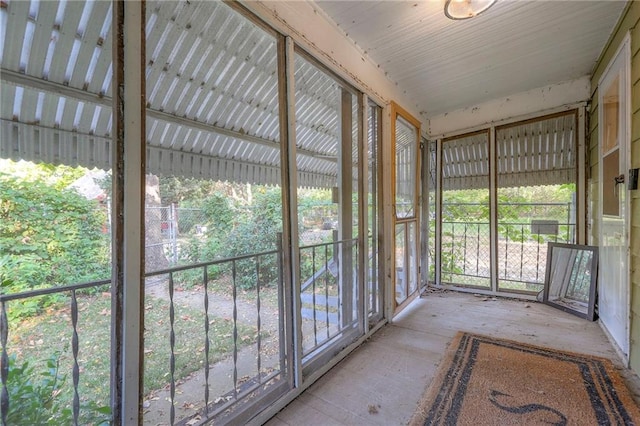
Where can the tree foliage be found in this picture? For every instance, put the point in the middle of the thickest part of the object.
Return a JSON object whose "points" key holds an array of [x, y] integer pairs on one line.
{"points": [[239, 225], [49, 236]]}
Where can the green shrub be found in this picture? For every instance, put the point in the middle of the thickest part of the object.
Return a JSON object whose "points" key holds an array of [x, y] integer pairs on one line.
{"points": [[49, 237], [33, 397], [256, 231]]}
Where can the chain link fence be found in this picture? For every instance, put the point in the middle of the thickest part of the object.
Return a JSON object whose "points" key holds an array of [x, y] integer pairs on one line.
{"points": [[524, 229], [173, 225]]}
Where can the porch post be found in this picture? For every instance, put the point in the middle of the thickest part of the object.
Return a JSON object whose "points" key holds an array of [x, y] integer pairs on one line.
{"points": [[387, 212], [128, 165], [438, 237], [293, 316], [345, 214], [581, 193], [363, 213], [493, 208]]}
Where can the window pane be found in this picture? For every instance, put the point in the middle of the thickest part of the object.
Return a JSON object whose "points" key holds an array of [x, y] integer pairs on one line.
{"points": [[327, 159], [466, 247], [406, 172], [213, 210], [55, 209], [536, 197]]}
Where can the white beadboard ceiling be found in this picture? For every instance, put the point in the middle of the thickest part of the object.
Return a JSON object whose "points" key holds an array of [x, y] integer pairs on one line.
{"points": [[446, 65], [211, 88]]}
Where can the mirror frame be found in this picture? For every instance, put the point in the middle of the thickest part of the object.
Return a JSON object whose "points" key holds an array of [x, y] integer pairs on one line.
{"points": [[591, 308]]}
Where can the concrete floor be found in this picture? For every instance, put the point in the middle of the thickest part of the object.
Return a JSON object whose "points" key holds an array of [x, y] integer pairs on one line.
{"points": [[381, 382]]}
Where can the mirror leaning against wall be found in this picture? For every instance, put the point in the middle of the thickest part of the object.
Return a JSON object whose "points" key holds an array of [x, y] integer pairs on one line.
{"points": [[571, 277]]}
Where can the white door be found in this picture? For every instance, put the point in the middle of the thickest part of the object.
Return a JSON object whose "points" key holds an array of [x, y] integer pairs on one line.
{"points": [[614, 97]]}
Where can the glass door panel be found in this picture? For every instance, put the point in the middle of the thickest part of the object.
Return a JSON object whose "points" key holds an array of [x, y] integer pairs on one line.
{"points": [[401, 289], [328, 200], [406, 169], [215, 338], [412, 256], [536, 192], [406, 133], [614, 98], [465, 254]]}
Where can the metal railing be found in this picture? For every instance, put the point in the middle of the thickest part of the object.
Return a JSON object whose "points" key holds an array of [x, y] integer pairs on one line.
{"points": [[522, 255], [329, 307], [72, 290], [522, 246], [328, 297], [466, 254], [254, 271], [246, 271]]}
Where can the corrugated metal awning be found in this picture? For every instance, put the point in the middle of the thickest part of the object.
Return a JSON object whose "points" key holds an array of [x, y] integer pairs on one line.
{"points": [[212, 92], [532, 153]]}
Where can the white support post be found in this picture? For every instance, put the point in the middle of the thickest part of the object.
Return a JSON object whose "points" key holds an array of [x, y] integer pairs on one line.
{"points": [[424, 215], [493, 208], [363, 213], [290, 184], [128, 217], [388, 231], [345, 206], [438, 243], [581, 187]]}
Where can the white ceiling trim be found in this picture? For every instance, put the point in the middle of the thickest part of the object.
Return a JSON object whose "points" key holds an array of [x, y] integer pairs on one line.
{"points": [[310, 27]]}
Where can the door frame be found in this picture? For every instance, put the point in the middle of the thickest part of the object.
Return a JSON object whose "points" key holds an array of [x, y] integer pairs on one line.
{"points": [[624, 145], [398, 111]]}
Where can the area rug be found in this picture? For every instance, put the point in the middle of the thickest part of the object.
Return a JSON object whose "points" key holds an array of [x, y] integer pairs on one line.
{"points": [[487, 381]]}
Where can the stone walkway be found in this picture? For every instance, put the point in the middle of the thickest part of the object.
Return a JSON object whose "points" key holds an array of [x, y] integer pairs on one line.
{"points": [[189, 394]]}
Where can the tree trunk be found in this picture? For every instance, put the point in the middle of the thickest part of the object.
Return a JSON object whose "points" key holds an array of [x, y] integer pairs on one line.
{"points": [[156, 221]]}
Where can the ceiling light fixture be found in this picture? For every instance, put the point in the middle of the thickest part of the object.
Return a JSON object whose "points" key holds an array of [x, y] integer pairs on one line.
{"points": [[465, 9]]}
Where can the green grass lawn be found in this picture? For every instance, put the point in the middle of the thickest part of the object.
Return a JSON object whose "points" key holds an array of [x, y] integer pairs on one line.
{"points": [[38, 338]]}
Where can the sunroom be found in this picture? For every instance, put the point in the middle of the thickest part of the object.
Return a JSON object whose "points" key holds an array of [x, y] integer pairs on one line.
{"points": [[208, 205]]}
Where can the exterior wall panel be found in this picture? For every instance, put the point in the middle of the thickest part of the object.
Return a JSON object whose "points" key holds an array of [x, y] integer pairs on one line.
{"points": [[628, 22]]}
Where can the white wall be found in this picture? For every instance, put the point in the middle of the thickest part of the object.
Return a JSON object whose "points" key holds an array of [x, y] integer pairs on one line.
{"points": [[544, 99]]}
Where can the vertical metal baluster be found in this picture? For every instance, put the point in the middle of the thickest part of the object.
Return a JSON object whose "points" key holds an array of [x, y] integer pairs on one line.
{"points": [[478, 251], [74, 349], [259, 319], [281, 338], [357, 283], [464, 257], [453, 237], [506, 252], [172, 358], [371, 280], [206, 341], [313, 295], [299, 309], [521, 250], [537, 257], [338, 288], [4, 367], [326, 285], [569, 222], [235, 330]]}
